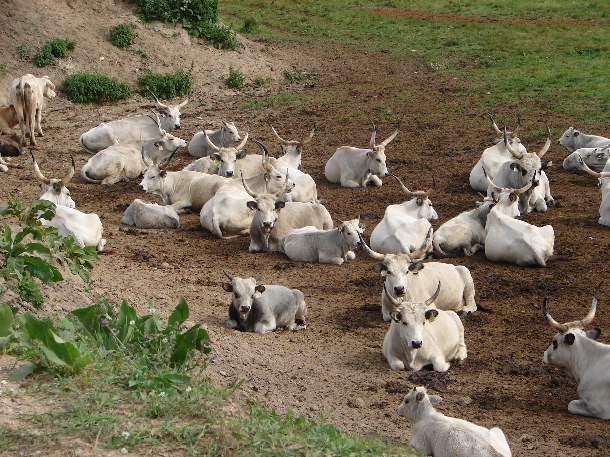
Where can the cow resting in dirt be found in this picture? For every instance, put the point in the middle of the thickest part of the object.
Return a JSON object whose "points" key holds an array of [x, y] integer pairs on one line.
{"points": [[8, 120], [464, 234], [261, 308], [27, 95], [604, 183], [420, 335], [443, 436], [356, 167], [273, 219], [231, 157], [226, 137], [10, 145], [308, 244], [147, 215], [136, 128], [573, 139], [576, 352], [291, 149], [595, 158], [404, 226], [511, 240], [86, 229]]}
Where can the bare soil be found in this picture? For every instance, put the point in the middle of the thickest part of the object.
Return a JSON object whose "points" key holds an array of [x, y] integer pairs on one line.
{"points": [[335, 367]]}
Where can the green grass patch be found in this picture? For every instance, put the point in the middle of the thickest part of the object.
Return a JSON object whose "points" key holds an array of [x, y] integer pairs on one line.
{"points": [[89, 88], [123, 35], [235, 79], [166, 86], [53, 49], [286, 98]]}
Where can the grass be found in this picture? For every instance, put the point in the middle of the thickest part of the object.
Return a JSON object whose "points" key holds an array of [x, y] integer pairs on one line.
{"points": [[562, 65]]}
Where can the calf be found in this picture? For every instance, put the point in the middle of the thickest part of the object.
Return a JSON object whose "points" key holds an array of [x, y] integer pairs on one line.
{"points": [[576, 352], [151, 216], [227, 136], [443, 436], [604, 182], [8, 120], [420, 335], [356, 167], [262, 309], [573, 139], [27, 95], [404, 226], [308, 244]]}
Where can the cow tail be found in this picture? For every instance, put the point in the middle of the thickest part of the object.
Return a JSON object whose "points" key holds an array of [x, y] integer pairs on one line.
{"points": [[437, 251], [26, 101], [87, 178]]}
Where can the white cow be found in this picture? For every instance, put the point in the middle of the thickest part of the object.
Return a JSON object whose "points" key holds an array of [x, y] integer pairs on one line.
{"points": [[27, 95], [464, 234], [150, 215], [573, 139], [308, 244], [404, 226], [262, 309], [576, 352], [512, 240], [227, 136], [356, 167], [443, 436], [86, 229], [204, 165], [604, 183], [595, 158], [420, 335], [125, 161], [135, 128], [394, 268], [273, 219], [292, 150], [4, 165]]}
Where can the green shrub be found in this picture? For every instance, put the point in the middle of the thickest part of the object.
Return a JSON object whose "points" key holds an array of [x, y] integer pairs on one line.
{"points": [[53, 49], [44, 58], [24, 51], [122, 35], [175, 11], [218, 36], [250, 24], [165, 86], [235, 80], [88, 88]]}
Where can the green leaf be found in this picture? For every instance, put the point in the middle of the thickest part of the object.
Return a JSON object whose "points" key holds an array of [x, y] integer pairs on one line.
{"points": [[179, 315], [4, 341], [41, 269], [22, 372], [185, 343], [6, 320], [126, 315]]}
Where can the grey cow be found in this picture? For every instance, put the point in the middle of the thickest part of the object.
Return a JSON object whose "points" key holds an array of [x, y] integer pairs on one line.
{"points": [[151, 215], [262, 309]]}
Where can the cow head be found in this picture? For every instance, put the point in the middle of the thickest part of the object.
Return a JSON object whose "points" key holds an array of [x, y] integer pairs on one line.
{"points": [[55, 190], [420, 201], [230, 135], [227, 156], [569, 139], [598, 175], [565, 350], [413, 317], [244, 292], [171, 113], [49, 88], [351, 234], [376, 158], [154, 175], [293, 147], [416, 403], [507, 199]]}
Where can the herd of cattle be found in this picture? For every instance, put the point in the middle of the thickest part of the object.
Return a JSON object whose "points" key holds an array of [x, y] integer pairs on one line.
{"points": [[277, 205]]}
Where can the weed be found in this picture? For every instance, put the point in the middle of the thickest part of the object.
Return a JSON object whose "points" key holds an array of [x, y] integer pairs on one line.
{"points": [[122, 35], [262, 81], [24, 51], [53, 49], [235, 80], [141, 53], [44, 58], [294, 76], [218, 36], [250, 24], [175, 11], [89, 88], [166, 86]]}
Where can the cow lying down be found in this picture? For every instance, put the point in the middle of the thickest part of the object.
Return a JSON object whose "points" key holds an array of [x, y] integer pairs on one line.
{"points": [[443, 436], [148, 215], [262, 309]]}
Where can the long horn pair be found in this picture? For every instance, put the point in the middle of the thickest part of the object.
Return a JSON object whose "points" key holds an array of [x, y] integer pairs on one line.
{"points": [[547, 143], [369, 251], [392, 136], [582, 323], [408, 193], [46, 181], [157, 100], [228, 275], [513, 134], [248, 190], [514, 191], [603, 174], [188, 97], [209, 142]]}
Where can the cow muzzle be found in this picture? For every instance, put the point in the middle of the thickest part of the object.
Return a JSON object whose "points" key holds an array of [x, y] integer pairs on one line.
{"points": [[416, 344], [399, 291], [229, 174], [141, 187], [244, 309]]}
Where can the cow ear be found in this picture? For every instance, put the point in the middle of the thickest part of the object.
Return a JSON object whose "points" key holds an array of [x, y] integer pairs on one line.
{"points": [[215, 157], [512, 196], [158, 145], [419, 396], [594, 334], [252, 204], [279, 205], [56, 187], [163, 173], [379, 268], [260, 288], [396, 316], [434, 399], [419, 201], [240, 155], [227, 286], [415, 267], [600, 156], [576, 133], [569, 339], [431, 314]]}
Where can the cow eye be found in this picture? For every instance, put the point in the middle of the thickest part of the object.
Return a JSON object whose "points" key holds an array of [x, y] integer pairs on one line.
{"points": [[236, 295], [405, 324], [555, 344], [378, 160]]}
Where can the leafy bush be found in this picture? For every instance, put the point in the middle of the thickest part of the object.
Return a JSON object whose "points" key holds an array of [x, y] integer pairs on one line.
{"points": [[122, 35], [24, 51], [53, 49], [235, 80], [175, 11], [166, 86], [250, 24], [88, 88], [44, 58], [218, 36]]}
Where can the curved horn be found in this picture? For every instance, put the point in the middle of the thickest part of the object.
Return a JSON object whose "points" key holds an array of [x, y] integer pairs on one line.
{"points": [[514, 152], [308, 138], [64, 182], [263, 148], [228, 275], [209, 142], [188, 97], [392, 136], [493, 186], [373, 135], [431, 190], [589, 318], [434, 295], [516, 131], [407, 192], [420, 252], [587, 169], [279, 138], [165, 162], [37, 172], [523, 189], [369, 251], [243, 181], [547, 143], [552, 322], [147, 160], [393, 300], [494, 125], [157, 100], [243, 142]]}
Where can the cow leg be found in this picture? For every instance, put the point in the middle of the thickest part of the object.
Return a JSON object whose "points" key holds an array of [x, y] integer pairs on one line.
{"points": [[39, 121], [372, 180], [265, 325], [396, 363], [108, 180], [350, 183], [440, 364], [582, 408]]}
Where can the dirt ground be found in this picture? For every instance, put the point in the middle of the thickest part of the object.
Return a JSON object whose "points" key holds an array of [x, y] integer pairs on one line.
{"points": [[335, 367]]}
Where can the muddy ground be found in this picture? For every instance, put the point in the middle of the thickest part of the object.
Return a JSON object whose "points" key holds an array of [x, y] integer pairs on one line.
{"points": [[335, 367]]}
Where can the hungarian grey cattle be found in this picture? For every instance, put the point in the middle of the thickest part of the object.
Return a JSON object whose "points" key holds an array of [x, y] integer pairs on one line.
{"points": [[273, 219], [10, 145], [148, 215], [404, 226], [604, 183], [135, 128], [576, 352], [435, 434], [27, 95], [595, 158], [511, 240], [55, 189], [420, 335], [291, 149], [464, 234], [227, 136], [264, 308], [228, 156], [308, 244], [574, 139], [357, 167], [394, 268], [204, 165], [8, 120]]}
